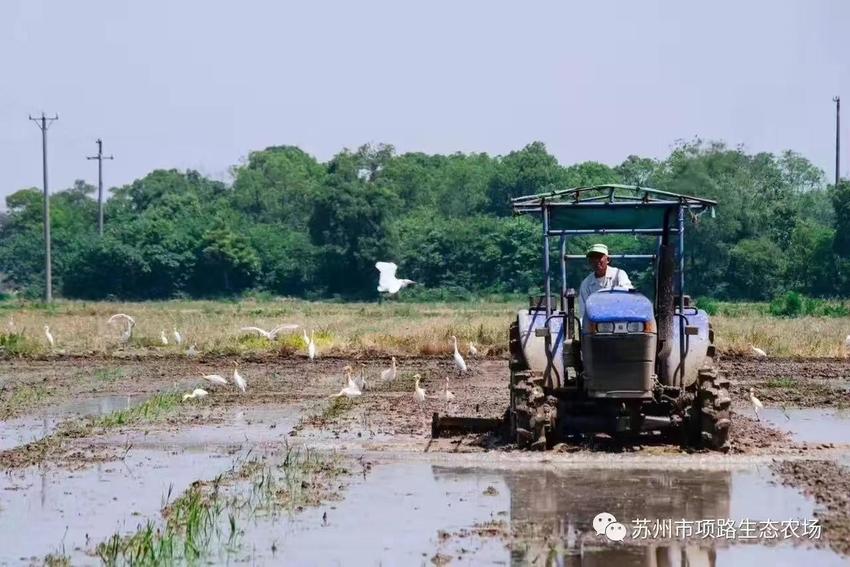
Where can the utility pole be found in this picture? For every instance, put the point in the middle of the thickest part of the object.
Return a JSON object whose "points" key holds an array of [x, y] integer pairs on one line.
{"points": [[100, 157], [43, 124], [837, 101]]}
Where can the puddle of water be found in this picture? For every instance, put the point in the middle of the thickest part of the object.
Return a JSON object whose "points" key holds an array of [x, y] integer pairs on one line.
{"points": [[811, 425], [45, 509], [255, 425], [395, 516], [97, 406], [23, 430], [30, 428]]}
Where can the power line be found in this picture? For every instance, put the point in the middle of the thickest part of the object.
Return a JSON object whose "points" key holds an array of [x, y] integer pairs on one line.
{"points": [[100, 157], [43, 124]]}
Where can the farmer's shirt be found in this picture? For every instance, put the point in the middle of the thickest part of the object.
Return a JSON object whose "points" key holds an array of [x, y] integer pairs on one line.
{"points": [[614, 277]]}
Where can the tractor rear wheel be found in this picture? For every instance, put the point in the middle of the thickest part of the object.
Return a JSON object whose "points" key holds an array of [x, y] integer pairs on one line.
{"points": [[533, 413], [712, 404]]}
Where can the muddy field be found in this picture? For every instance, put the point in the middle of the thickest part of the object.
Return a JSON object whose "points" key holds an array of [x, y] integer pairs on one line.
{"points": [[104, 462]]}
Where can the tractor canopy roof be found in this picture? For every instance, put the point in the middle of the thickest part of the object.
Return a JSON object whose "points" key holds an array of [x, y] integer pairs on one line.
{"points": [[619, 208]]}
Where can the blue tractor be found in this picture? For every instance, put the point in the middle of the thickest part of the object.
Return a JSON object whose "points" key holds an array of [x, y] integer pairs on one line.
{"points": [[630, 365]]}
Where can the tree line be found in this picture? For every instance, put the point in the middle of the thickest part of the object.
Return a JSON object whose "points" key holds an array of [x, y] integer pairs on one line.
{"points": [[291, 225]]}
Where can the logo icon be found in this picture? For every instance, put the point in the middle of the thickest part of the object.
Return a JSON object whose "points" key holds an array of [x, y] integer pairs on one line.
{"points": [[606, 524]]}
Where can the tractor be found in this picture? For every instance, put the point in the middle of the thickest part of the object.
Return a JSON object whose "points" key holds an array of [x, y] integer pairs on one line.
{"points": [[629, 366]]}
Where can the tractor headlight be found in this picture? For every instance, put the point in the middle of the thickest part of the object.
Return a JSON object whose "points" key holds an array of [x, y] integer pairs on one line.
{"points": [[604, 328], [634, 327]]}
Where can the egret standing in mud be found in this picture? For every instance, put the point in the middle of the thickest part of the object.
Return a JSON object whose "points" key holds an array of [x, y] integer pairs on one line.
{"points": [[448, 395], [757, 352], [757, 405], [196, 393], [390, 373], [215, 379], [418, 392], [460, 363], [311, 347], [49, 336], [163, 339], [237, 378], [472, 350], [178, 338]]}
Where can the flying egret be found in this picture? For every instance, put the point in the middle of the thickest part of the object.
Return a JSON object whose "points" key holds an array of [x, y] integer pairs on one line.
{"points": [[757, 405], [758, 352], [131, 323], [460, 363], [418, 393], [387, 282], [215, 379], [163, 338], [237, 378], [196, 393], [49, 336], [311, 347], [847, 346], [389, 373], [178, 338], [270, 335], [472, 350]]}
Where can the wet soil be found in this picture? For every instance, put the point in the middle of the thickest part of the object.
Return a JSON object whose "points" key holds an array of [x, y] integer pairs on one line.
{"points": [[289, 402], [829, 484]]}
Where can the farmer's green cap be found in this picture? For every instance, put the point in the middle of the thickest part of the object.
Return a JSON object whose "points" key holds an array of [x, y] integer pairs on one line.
{"points": [[597, 249]]}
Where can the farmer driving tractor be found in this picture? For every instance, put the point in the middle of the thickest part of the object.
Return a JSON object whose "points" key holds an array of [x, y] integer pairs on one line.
{"points": [[602, 276]]}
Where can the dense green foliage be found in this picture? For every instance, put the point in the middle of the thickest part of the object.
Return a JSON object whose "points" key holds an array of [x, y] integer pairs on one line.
{"points": [[291, 225]]}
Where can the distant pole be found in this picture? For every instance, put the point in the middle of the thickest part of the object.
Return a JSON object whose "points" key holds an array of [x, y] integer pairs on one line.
{"points": [[43, 124], [100, 157], [837, 101]]}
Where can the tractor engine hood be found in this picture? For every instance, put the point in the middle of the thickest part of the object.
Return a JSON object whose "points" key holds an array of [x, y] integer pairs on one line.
{"points": [[617, 305]]}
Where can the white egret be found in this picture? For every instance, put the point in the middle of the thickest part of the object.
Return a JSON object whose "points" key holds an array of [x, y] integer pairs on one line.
{"points": [[472, 350], [360, 381], [757, 405], [387, 282], [389, 373], [238, 379], [270, 335], [418, 393], [163, 338], [196, 393], [757, 352], [460, 363], [847, 346], [192, 350], [305, 338], [350, 391], [448, 395], [350, 381], [49, 336], [215, 379], [178, 338], [131, 323], [311, 347]]}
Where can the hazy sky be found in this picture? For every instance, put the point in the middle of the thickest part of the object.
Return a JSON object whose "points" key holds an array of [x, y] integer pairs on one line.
{"points": [[199, 84]]}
